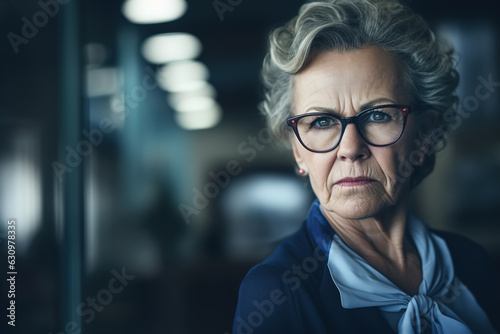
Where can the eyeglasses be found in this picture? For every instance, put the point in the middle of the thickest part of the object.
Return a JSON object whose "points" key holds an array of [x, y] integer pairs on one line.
{"points": [[378, 126]]}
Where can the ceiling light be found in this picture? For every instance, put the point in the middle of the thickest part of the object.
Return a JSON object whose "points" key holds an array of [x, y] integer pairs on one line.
{"points": [[202, 119], [195, 104], [205, 90], [153, 11], [164, 48], [182, 76]]}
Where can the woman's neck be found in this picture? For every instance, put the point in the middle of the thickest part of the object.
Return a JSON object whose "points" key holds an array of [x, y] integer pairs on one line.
{"points": [[384, 242]]}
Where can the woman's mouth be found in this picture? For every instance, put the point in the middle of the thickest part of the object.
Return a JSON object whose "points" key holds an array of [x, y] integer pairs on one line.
{"points": [[354, 181]]}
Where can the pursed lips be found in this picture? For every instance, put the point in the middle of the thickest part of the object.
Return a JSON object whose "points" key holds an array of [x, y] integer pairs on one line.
{"points": [[354, 181]]}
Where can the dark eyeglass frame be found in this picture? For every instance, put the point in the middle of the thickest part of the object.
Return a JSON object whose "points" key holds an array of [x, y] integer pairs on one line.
{"points": [[293, 121]]}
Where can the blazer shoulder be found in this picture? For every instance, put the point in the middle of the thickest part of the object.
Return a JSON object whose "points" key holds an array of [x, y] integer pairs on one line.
{"points": [[266, 302], [270, 273], [465, 252], [477, 270], [292, 250]]}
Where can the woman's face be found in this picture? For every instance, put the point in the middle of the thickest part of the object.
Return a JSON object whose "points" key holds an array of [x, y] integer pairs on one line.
{"points": [[346, 83]]}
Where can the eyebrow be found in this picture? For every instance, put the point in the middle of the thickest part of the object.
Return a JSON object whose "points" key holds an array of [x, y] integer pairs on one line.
{"points": [[368, 105]]}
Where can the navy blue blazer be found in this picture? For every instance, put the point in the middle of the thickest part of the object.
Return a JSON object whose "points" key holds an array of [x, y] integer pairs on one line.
{"points": [[292, 290]]}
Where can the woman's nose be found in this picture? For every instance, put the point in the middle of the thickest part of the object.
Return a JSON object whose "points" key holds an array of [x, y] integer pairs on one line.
{"points": [[352, 147]]}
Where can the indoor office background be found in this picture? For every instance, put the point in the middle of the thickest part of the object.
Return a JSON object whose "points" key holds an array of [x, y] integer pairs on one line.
{"points": [[141, 177]]}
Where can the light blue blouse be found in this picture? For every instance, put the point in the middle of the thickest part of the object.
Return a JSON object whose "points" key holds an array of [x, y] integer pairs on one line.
{"points": [[443, 304]]}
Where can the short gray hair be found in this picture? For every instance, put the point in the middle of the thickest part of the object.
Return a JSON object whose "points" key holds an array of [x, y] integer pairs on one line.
{"points": [[343, 25]]}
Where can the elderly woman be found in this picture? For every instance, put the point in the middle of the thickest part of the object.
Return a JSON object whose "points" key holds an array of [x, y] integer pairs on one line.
{"points": [[363, 92]]}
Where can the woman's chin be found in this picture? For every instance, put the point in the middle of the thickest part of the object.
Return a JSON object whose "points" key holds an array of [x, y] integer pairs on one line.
{"points": [[353, 208]]}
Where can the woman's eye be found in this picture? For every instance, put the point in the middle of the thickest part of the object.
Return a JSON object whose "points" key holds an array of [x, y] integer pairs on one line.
{"points": [[322, 122], [379, 116]]}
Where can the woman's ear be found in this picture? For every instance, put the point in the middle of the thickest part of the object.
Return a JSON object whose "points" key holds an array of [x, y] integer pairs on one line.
{"points": [[298, 159]]}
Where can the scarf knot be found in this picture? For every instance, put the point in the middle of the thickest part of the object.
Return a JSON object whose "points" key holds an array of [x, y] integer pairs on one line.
{"points": [[425, 315]]}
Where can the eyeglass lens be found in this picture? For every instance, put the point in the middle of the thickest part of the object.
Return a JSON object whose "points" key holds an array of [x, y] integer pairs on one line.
{"points": [[379, 127]]}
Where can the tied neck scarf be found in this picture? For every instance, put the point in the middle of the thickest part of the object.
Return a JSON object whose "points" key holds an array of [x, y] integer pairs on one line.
{"points": [[443, 304]]}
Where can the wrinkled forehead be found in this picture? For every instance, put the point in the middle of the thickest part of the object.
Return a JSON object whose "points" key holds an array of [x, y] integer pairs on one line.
{"points": [[347, 80]]}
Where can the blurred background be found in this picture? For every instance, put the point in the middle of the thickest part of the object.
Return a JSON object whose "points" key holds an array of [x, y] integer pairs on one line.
{"points": [[142, 179]]}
